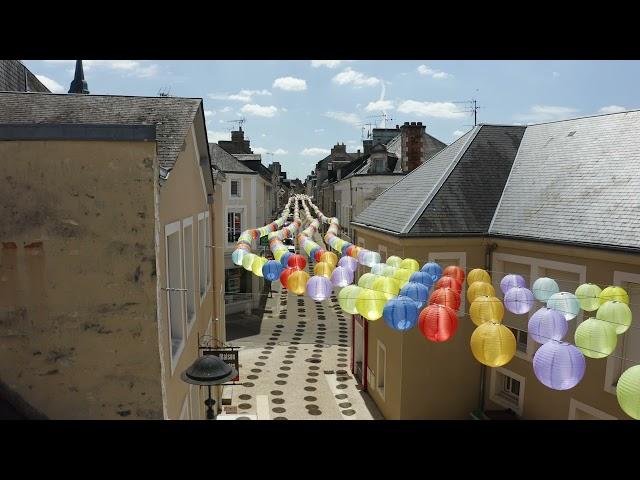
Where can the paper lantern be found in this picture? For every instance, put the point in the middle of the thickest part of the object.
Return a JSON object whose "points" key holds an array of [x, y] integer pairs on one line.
{"points": [[237, 256], [388, 286], [377, 268], [564, 302], [518, 300], [588, 295], [284, 259], [559, 365], [257, 265], [277, 254], [448, 282], [486, 309], [319, 288], [410, 264], [369, 258], [438, 323], [546, 325], [366, 280], [455, 272], [478, 275], [394, 261], [323, 269], [423, 278], [297, 282], [447, 297], [388, 270], [297, 261], [330, 258], [370, 304], [400, 313], [617, 314], [432, 269], [479, 288], [402, 276], [341, 277], [348, 262], [271, 270], [511, 281], [493, 344], [544, 287], [416, 292], [284, 276], [247, 261], [628, 392], [350, 250], [317, 253], [614, 293], [595, 338], [347, 298]]}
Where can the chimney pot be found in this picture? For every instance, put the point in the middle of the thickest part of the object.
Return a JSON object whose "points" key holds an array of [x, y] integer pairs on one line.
{"points": [[406, 123]]}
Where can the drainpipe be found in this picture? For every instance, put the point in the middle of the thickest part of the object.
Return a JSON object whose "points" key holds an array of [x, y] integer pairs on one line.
{"points": [[489, 248]]}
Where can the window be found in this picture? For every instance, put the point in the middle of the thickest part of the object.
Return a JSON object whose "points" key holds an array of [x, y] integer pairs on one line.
{"points": [[234, 226], [444, 259], [582, 411], [189, 275], [207, 250], [235, 189], [381, 368], [202, 239], [521, 339], [174, 298], [507, 389]]}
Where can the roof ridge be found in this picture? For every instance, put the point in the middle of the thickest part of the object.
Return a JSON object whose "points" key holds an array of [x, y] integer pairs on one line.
{"points": [[584, 116], [414, 218], [98, 95]]}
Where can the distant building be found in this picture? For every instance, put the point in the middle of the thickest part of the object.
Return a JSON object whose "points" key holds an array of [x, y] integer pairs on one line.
{"points": [[16, 77]]}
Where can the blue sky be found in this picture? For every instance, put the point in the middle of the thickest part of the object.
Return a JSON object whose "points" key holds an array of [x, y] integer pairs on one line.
{"points": [[298, 110]]}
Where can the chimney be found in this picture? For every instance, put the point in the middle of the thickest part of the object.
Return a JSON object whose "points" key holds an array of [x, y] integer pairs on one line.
{"points": [[412, 135], [79, 84]]}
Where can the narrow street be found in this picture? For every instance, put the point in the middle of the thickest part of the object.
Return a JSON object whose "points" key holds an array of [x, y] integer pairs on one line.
{"points": [[294, 361]]}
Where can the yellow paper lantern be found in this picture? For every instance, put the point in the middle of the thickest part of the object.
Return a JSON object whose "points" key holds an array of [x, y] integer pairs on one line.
{"points": [[402, 276], [330, 258], [588, 295], [410, 264], [257, 265], [394, 261], [324, 269], [611, 294], [388, 270], [278, 254], [493, 344], [478, 275], [297, 282], [247, 261], [366, 280], [388, 286], [347, 298], [477, 289], [486, 309], [370, 304]]}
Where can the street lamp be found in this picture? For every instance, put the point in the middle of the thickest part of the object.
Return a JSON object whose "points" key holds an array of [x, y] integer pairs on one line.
{"points": [[209, 370]]}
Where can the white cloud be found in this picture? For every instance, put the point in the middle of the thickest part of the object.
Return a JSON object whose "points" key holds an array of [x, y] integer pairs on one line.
{"points": [[546, 113], [380, 105], [259, 150], [263, 135], [241, 96], [607, 109], [283, 109], [130, 67], [458, 133], [345, 117], [357, 79], [280, 151], [215, 137], [208, 113], [431, 109], [259, 110], [290, 84], [318, 130], [437, 74], [224, 110], [51, 84], [315, 152], [326, 63]]}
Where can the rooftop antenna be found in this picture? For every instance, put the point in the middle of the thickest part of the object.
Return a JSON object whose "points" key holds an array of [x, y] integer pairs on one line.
{"points": [[362, 129], [239, 121], [164, 92], [384, 118], [472, 108]]}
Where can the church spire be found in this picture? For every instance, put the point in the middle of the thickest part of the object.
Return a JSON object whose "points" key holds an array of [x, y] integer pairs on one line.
{"points": [[79, 84]]}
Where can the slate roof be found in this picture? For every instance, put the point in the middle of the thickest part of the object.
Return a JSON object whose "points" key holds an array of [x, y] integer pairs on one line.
{"points": [[13, 74], [576, 181], [172, 116], [226, 162]]}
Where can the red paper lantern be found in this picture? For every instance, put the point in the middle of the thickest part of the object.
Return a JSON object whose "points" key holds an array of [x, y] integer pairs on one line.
{"points": [[445, 296], [349, 250], [455, 272], [243, 246], [438, 323], [297, 261], [255, 234], [284, 276], [449, 282], [319, 254]]}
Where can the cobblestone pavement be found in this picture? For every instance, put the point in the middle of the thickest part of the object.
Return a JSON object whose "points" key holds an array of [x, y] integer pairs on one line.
{"points": [[297, 366]]}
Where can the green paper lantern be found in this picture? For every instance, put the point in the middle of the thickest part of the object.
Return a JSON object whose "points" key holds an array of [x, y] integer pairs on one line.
{"points": [[388, 286], [347, 298], [394, 261], [595, 338], [370, 304], [366, 280], [588, 295], [617, 314], [614, 293], [247, 260], [402, 276], [628, 392]]}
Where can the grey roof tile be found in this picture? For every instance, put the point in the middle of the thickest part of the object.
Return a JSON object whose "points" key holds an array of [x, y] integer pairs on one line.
{"points": [[226, 162]]}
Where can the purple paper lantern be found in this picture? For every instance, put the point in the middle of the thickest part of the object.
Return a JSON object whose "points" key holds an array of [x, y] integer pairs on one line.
{"points": [[348, 262], [546, 325], [518, 300], [424, 278], [417, 292], [319, 288], [559, 365], [512, 281], [341, 276]]}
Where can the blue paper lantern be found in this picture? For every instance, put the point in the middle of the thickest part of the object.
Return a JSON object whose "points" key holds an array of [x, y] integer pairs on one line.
{"points": [[566, 303], [546, 325], [422, 277], [433, 269], [238, 255], [284, 259], [544, 287], [271, 270], [344, 248], [559, 365], [417, 292], [401, 313]]}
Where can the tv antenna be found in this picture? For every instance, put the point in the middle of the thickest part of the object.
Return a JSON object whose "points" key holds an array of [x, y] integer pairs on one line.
{"points": [[384, 118], [472, 107], [239, 121], [362, 130], [164, 92]]}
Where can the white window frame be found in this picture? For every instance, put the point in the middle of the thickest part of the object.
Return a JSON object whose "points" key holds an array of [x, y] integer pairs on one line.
{"points": [[209, 253], [383, 248], [201, 265], [576, 405], [169, 230], [524, 354], [234, 209], [185, 223], [612, 367], [381, 373], [535, 264], [496, 388], [184, 412], [462, 263], [239, 180]]}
